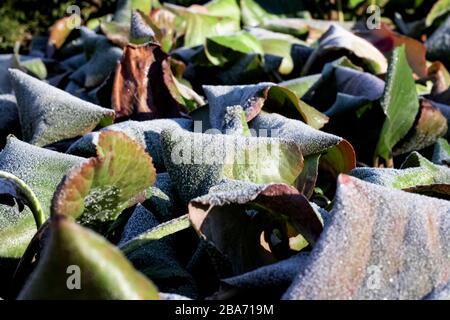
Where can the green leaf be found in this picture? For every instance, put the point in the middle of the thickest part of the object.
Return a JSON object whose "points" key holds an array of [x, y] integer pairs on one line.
{"points": [[43, 108], [306, 181], [400, 103], [221, 49], [218, 17], [339, 39], [440, 8], [301, 85], [125, 7], [256, 12], [416, 170], [104, 273], [156, 233], [99, 189], [33, 66], [278, 44]]}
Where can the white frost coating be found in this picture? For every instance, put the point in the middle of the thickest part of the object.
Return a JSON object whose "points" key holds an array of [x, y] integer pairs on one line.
{"points": [[380, 244], [139, 28], [404, 178], [221, 97], [197, 161], [310, 140], [41, 170], [278, 274], [153, 257], [146, 133], [48, 114]]}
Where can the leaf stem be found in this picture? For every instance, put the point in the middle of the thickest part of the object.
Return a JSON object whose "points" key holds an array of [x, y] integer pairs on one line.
{"points": [[156, 233], [340, 12], [31, 200]]}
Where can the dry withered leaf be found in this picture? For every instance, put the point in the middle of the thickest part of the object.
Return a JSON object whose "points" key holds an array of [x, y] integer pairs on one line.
{"points": [[144, 86]]}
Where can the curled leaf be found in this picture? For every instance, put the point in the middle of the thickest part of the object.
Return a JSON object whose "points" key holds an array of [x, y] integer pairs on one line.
{"points": [[252, 225], [336, 40]]}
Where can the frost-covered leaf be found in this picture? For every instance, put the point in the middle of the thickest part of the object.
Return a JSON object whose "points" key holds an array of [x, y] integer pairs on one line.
{"points": [[336, 154], [43, 109], [416, 170], [104, 272], [6, 62], [438, 44], [141, 31], [400, 104], [9, 121], [197, 161], [100, 188], [146, 133], [396, 240], [254, 98], [156, 259], [441, 152], [310, 140], [270, 281], [254, 224], [339, 77], [337, 40], [39, 168], [103, 57]]}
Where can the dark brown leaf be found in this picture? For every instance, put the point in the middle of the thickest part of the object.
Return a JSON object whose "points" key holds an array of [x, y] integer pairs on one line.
{"points": [[144, 87]]}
